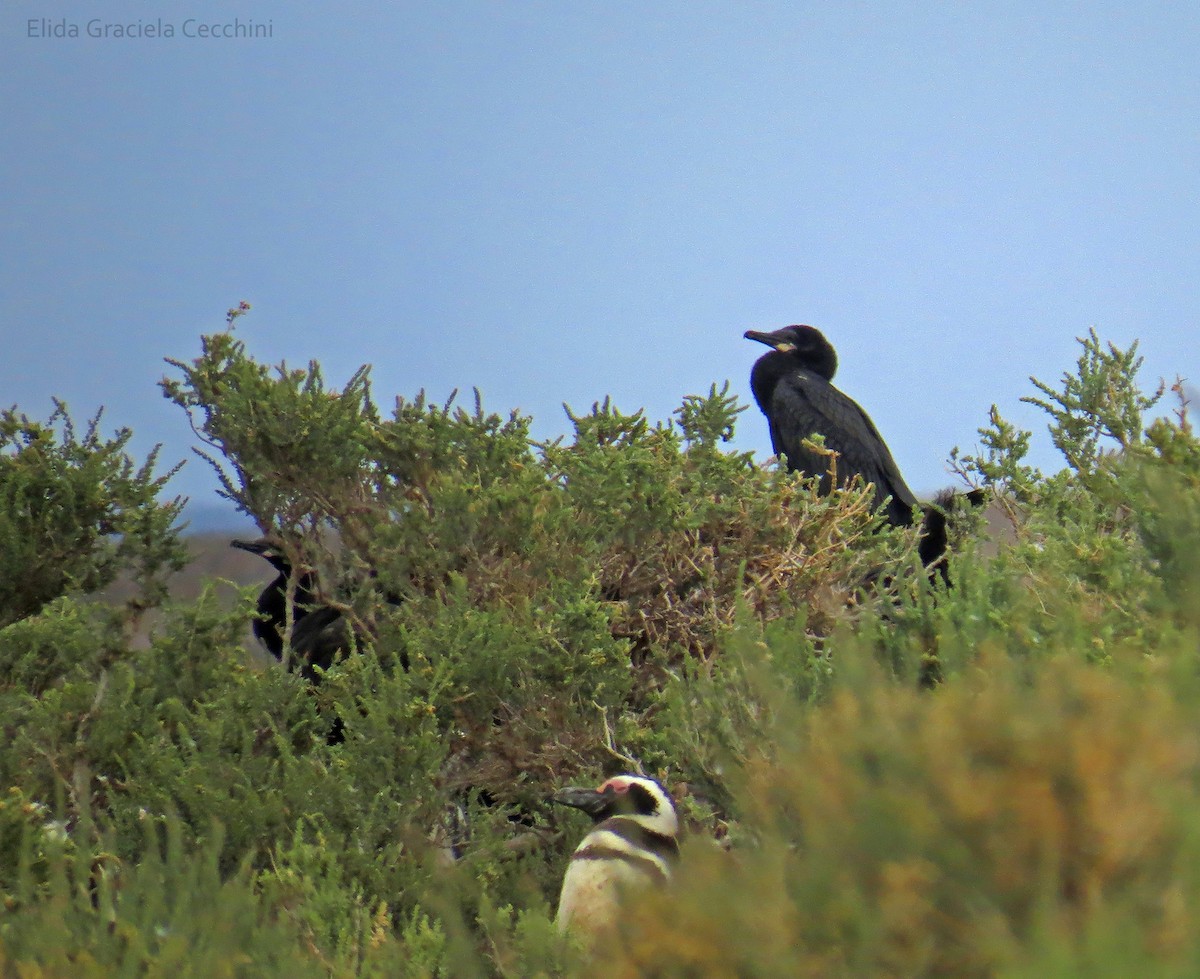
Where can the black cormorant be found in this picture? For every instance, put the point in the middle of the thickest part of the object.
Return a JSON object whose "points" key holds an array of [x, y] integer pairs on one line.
{"points": [[792, 385], [320, 633], [270, 624]]}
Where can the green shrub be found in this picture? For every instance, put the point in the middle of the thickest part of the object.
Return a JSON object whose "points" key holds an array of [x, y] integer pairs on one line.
{"points": [[881, 776], [75, 511]]}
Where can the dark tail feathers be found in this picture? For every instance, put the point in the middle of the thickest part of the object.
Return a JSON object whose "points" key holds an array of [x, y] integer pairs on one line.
{"points": [[934, 528]]}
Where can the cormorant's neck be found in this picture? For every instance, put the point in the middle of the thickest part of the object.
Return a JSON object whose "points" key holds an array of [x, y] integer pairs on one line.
{"points": [[819, 358], [767, 372], [824, 362], [306, 587]]}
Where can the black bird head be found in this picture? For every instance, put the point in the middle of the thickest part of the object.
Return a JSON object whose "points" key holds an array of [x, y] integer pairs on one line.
{"points": [[805, 344], [264, 548]]}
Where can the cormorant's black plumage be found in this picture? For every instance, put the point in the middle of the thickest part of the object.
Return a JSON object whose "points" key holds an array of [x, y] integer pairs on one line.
{"points": [[270, 624], [935, 536], [320, 633], [792, 385]]}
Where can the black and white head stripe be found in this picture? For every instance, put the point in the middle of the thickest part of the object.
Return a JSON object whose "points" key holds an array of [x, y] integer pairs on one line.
{"points": [[632, 844], [625, 795]]}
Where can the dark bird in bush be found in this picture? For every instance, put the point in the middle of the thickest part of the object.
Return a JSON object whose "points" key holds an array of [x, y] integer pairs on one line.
{"points": [[320, 633], [634, 843], [793, 386], [270, 624], [935, 528]]}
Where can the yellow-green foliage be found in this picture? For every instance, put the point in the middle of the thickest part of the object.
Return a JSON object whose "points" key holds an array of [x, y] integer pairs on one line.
{"points": [[963, 832], [879, 777]]}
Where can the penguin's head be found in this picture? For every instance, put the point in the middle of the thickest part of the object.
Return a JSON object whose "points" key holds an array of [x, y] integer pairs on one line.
{"points": [[636, 797]]}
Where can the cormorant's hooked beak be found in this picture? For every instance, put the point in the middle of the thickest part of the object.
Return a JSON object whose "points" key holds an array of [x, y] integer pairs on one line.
{"points": [[780, 343], [592, 801], [264, 548], [260, 546]]}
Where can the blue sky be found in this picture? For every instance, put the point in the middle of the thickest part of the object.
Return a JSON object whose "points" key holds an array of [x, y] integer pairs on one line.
{"points": [[561, 201]]}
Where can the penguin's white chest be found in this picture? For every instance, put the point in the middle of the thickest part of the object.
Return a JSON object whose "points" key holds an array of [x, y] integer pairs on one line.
{"points": [[604, 867]]}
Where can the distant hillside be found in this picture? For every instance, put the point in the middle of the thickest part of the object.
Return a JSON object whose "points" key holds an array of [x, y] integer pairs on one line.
{"points": [[211, 559]]}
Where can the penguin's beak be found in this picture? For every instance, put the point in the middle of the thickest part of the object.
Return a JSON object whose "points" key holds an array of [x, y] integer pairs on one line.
{"points": [[595, 804]]}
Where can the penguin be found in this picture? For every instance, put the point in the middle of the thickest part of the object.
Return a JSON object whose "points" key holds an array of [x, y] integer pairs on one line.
{"points": [[633, 844]]}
